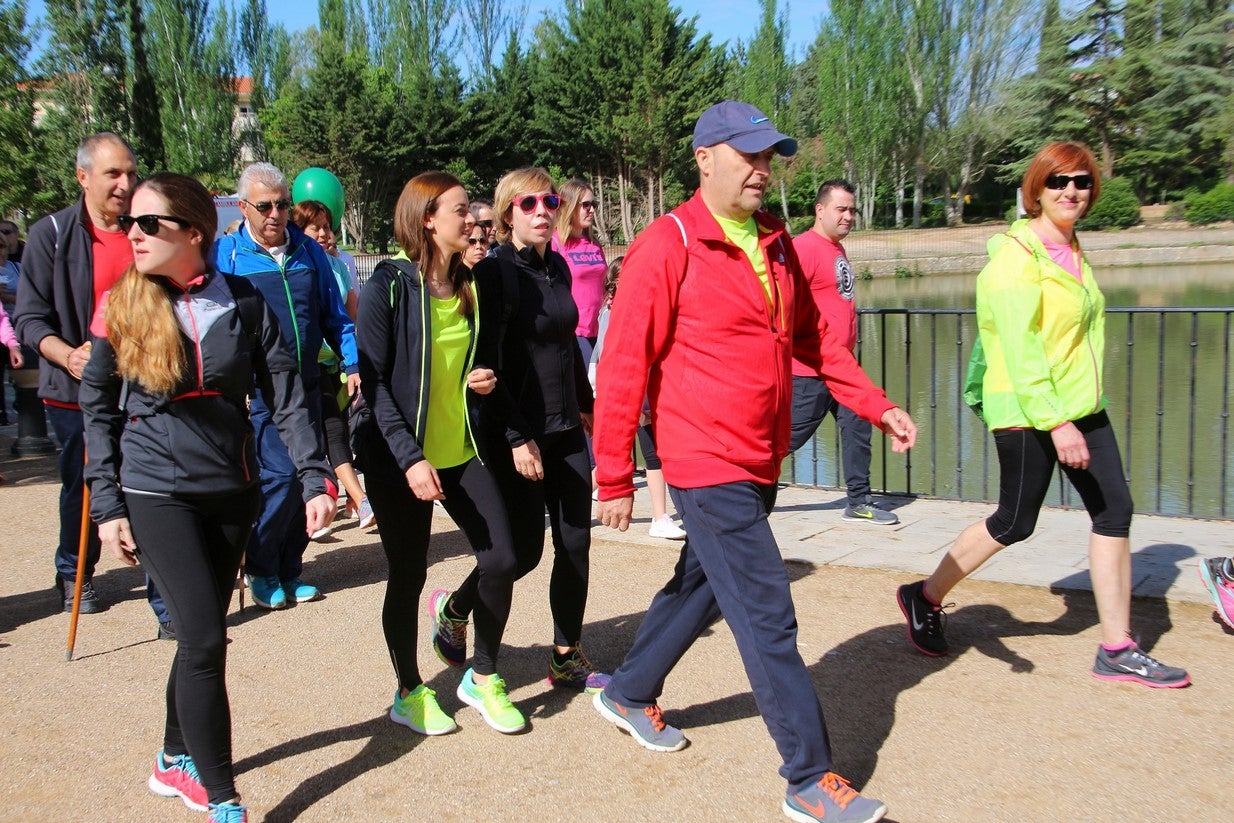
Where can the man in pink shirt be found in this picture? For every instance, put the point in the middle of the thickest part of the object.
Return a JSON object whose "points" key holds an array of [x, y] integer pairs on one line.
{"points": [[831, 280]]}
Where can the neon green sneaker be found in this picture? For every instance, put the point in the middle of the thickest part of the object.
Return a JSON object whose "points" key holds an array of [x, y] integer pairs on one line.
{"points": [[419, 712], [491, 701]]}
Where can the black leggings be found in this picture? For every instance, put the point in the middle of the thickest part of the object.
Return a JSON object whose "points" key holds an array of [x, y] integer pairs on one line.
{"points": [[566, 491], [1026, 460], [475, 504], [191, 549], [333, 420]]}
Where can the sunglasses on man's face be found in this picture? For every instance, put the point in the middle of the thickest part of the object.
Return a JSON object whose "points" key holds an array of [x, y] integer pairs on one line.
{"points": [[148, 223], [265, 206], [528, 204], [1058, 182], [484, 224]]}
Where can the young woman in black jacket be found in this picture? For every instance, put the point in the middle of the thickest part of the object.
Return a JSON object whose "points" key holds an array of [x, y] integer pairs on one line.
{"points": [[422, 377], [543, 404], [172, 466]]}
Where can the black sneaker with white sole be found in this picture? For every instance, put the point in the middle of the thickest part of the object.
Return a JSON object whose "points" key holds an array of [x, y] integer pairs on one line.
{"points": [[925, 619]]}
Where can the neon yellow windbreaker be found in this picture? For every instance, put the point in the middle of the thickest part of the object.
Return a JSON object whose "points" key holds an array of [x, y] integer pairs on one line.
{"points": [[1043, 335]]}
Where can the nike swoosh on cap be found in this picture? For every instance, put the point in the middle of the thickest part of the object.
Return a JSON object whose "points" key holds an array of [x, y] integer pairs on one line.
{"points": [[757, 120]]}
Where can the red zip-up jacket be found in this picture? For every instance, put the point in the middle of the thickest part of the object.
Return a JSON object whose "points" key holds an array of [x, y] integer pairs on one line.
{"points": [[692, 328]]}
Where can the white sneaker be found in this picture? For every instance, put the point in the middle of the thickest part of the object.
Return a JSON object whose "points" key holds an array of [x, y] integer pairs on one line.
{"points": [[324, 531], [664, 527]]}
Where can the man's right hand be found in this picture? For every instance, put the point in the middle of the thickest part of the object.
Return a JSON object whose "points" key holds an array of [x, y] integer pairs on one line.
{"points": [[616, 513], [78, 358]]}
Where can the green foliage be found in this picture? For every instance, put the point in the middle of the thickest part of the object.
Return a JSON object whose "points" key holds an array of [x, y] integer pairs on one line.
{"points": [[16, 112], [1116, 208], [1212, 206]]}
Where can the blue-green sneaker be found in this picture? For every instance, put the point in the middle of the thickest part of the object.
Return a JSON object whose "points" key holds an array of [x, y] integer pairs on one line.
{"points": [[228, 813], [419, 712], [298, 591], [491, 701], [267, 591]]}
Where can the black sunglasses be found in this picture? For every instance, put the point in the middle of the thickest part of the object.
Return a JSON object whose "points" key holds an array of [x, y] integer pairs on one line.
{"points": [[1058, 182], [484, 224], [590, 205], [528, 204], [148, 223], [265, 206], [474, 241]]}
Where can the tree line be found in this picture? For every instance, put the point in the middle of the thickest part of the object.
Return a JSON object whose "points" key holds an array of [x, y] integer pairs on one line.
{"points": [[931, 107]]}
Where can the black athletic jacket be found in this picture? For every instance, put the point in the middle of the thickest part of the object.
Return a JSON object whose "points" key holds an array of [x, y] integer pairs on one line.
{"points": [[198, 440], [542, 384]]}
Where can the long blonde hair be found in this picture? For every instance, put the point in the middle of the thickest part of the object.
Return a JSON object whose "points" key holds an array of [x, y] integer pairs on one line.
{"points": [[572, 192], [141, 323]]}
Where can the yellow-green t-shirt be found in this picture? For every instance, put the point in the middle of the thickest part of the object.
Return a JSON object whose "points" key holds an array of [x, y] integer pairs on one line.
{"points": [[446, 442], [744, 235]]}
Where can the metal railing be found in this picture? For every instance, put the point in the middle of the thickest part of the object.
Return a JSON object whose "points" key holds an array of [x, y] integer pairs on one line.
{"points": [[1168, 388]]}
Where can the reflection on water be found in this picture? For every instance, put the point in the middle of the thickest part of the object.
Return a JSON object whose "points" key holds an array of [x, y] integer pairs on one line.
{"points": [[1167, 382], [1194, 284]]}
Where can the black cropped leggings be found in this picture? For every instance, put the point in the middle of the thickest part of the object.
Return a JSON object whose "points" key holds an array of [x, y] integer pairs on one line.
{"points": [[1026, 460], [566, 492], [475, 504], [191, 548]]}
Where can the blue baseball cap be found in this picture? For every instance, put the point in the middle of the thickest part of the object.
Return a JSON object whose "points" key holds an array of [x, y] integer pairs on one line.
{"points": [[743, 127]]}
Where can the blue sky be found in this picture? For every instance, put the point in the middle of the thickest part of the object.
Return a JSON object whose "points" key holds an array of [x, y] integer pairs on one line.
{"points": [[725, 21]]}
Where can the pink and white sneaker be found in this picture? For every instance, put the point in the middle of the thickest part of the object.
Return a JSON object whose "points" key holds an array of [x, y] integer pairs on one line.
{"points": [[179, 779], [1222, 590]]}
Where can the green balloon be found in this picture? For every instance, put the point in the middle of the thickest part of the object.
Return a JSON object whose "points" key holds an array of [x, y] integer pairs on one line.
{"points": [[320, 185]]}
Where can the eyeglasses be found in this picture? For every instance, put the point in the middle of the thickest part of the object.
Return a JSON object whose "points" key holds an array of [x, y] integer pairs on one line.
{"points": [[528, 204], [484, 224], [149, 223], [590, 205], [475, 241], [1058, 182], [265, 206]]}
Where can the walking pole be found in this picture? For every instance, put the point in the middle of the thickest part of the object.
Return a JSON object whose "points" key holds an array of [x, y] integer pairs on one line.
{"points": [[81, 565]]}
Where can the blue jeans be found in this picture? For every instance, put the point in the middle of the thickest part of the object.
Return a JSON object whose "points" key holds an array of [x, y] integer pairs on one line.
{"points": [[69, 427], [812, 401], [276, 546], [731, 568]]}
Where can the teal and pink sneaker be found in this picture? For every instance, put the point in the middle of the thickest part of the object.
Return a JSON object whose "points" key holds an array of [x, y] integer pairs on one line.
{"points": [[575, 671], [177, 777], [1219, 587]]}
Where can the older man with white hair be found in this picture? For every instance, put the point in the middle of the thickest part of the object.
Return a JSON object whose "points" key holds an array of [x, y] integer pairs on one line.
{"points": [[293, 274]]}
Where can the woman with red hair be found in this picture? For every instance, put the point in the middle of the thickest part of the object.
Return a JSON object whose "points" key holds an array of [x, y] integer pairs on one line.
{"points": [[1036, 381]]}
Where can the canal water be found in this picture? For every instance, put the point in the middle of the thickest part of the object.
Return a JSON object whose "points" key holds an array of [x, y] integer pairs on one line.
{"points": [[1167, 383]]}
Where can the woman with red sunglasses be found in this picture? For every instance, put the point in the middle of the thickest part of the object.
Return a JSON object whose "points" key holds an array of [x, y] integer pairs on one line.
{"points": [[1035, 380], [543, 403]]}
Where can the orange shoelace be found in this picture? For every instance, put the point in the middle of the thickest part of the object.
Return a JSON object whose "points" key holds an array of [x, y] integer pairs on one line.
{"points": [[837, 787], [656, 716]]}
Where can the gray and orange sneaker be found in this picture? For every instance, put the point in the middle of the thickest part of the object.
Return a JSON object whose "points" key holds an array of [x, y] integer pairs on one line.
{"points": [[575, 671], [645, 724], [449, 633], [1134, 666], [831, 799]]}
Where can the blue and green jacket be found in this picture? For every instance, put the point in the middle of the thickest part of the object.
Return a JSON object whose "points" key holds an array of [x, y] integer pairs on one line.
{"points": [[303, 294]]}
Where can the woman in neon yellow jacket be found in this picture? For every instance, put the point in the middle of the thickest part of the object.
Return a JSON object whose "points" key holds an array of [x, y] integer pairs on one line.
{"points": [[1042, 335]]}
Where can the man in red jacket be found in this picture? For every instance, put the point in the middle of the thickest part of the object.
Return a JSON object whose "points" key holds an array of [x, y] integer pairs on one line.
{"points": [[713, 308]]}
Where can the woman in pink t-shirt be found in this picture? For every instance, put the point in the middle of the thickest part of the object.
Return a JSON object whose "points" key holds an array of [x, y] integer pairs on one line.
{"points": [[574, 239]]}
